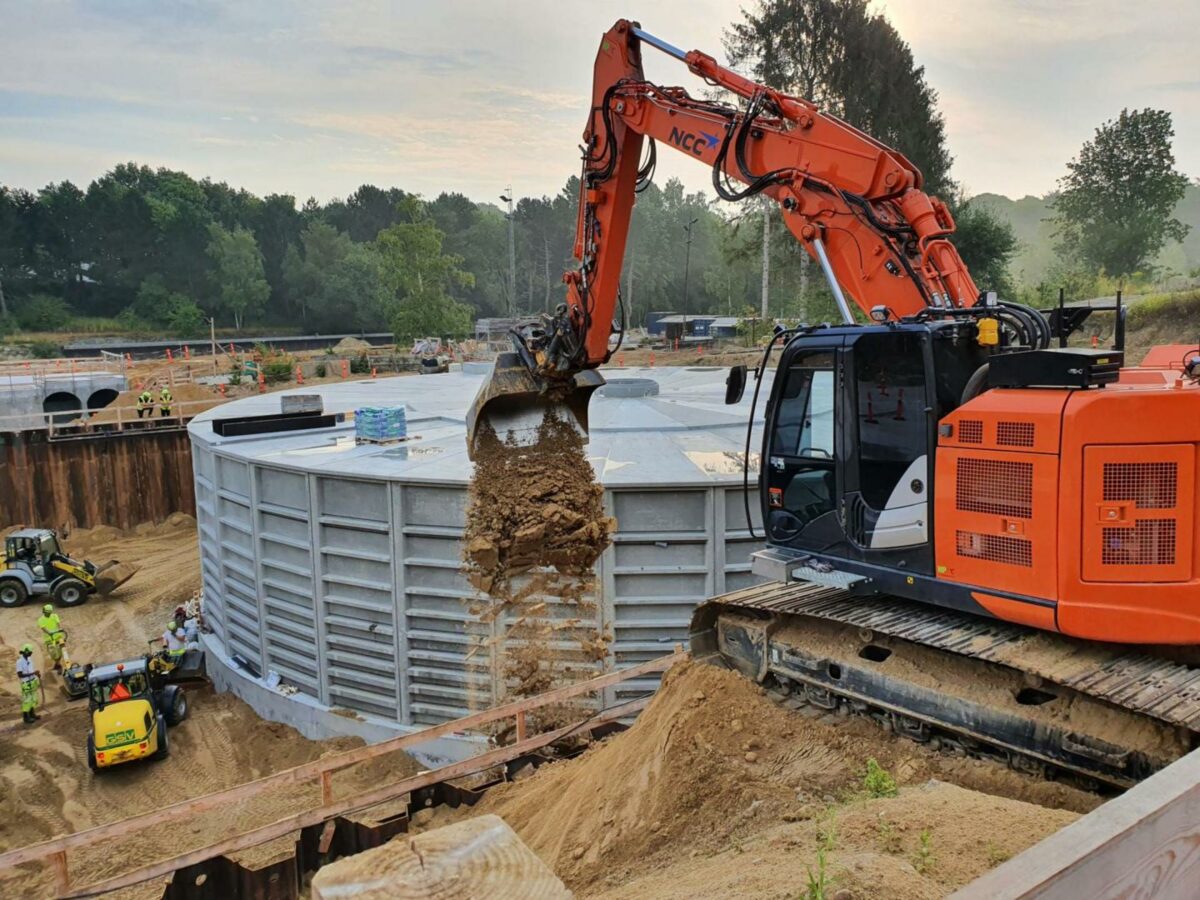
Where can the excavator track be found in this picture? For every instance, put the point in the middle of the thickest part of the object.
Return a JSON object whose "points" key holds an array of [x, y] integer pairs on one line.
{"points": [[1047, 704]]}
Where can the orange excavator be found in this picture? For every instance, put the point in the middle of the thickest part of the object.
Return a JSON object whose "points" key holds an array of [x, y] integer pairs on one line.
{"points": [[974, 538]]}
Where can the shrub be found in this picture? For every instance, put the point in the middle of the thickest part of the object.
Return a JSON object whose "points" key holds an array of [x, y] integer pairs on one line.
{"points": [[361, 365], [320, 370], [877, 782], [42, 312], [44, 349], [277, 369]]}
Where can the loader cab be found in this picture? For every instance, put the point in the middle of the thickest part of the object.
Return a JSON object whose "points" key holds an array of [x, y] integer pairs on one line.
{"points": [[850, 438], [32, 546]]}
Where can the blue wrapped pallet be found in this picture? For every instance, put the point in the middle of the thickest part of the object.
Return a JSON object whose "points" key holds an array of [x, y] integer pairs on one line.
{"points": [[374, 423]]}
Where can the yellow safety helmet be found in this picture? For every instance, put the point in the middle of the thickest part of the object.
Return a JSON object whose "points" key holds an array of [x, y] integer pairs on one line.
{"points": [[48, 608], [26, 649]]}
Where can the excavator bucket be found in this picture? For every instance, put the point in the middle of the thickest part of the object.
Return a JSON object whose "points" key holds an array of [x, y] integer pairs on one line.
{"points": [[513, 403], [112, 575]]}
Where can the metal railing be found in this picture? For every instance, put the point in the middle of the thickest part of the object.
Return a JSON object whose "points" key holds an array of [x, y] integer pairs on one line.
{"points": [[79, 423]]}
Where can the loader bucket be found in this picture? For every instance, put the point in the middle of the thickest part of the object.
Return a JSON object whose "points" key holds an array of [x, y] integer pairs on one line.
{"points": [[514, 403], [112, 575]]}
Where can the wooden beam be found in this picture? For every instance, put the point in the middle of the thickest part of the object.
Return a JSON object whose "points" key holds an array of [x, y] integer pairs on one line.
{"points": [[1144, 843], [308, 771], [353, 804]]}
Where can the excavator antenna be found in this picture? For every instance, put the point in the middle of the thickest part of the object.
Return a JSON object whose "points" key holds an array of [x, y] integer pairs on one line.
{"points": [[514, 403]]}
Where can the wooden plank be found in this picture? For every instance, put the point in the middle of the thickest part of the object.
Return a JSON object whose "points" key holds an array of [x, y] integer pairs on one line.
{"points": [[307, 771], [353, 804], [1145, 843]]}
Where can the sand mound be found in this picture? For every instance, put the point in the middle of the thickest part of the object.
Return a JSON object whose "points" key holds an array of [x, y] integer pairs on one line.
{"points": [[712, 764], [535, 528], [351, 346]]}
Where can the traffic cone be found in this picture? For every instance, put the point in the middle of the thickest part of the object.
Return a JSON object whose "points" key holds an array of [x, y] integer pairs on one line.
{"points": [[652, 359], [299, 375], [345, 369], [170, 356], [187, 352], [128, 360], [373, 370], [222, 387], [262, 382], [621, 360]]}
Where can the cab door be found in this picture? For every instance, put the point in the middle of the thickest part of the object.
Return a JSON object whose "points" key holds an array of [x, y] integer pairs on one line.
{"points": [[801, 448], [887, 481]]}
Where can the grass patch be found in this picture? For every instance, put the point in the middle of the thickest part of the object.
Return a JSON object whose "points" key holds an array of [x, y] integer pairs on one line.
{"points": [[1182, 306], [877, 782], [924, 859]]}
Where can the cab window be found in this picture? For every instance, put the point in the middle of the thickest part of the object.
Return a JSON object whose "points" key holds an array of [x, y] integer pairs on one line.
{"points": [[804, 425]]}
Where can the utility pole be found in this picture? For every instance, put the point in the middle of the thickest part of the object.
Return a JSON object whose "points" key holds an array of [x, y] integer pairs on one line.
{"points": [[687, 261], [507, 197], [766, 264], [212, 336]]}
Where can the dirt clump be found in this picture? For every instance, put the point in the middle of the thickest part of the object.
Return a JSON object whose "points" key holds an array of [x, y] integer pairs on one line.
{"points": [[712, 768], [535, 527]]}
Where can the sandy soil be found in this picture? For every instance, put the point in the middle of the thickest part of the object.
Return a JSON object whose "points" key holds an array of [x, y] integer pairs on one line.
{"points": [[717, 792], [46, 788]]}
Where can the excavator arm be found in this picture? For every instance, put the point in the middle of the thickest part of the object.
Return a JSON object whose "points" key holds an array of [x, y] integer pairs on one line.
{"points": [[855, 205]]}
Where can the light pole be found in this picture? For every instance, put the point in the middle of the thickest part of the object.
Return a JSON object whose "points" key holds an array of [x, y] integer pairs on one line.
{"points": [[507, 197], [687, 261]]}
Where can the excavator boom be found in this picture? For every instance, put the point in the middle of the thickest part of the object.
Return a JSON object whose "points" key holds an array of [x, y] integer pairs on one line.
{"points": [[855, 205]]}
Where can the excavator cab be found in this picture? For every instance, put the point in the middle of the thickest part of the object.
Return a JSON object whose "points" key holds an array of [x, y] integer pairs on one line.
{"points": [[514, 402], [850, 441]]}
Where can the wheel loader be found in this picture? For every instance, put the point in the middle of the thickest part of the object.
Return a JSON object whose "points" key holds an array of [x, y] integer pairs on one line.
{"points": [[36, 565], [975, 538], [131, 703]]}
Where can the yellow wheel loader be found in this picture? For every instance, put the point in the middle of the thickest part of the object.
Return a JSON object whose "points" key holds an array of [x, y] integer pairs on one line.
{"points": [[132, 704], [35, 564]]}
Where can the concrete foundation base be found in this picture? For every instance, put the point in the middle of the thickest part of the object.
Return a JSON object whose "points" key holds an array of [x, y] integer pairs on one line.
{"points": [[318, 722]]}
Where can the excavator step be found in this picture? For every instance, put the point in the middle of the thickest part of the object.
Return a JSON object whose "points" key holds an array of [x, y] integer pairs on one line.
{"points": [[1131, 679]]}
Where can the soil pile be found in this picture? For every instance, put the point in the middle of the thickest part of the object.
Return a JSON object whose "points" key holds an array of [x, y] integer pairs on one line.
{"points": [[350, 346], [712, 767], [535, 528]]}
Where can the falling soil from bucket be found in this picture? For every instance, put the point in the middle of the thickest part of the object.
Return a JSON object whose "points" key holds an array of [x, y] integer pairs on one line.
{"points": [[535, 527]]}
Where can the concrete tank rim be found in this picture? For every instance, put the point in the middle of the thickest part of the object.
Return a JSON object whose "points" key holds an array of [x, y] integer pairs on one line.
{"points": [[683, 436]]}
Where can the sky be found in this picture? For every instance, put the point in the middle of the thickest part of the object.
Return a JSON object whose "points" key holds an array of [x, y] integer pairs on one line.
{"points": [[313, 99]]}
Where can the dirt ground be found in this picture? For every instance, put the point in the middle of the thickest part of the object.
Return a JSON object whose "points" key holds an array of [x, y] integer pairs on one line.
{"points": [[717, 792], [46, 788]]}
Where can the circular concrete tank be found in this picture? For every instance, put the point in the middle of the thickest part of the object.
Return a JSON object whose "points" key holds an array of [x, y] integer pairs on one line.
{"points": [[337, 565]]}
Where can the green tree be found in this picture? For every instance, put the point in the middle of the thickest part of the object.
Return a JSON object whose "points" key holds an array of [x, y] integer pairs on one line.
{"points": [[419, 277], [987, 244], [306, 270], [240, 285], [1114, 206], [851, 62], [357, 288]]}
